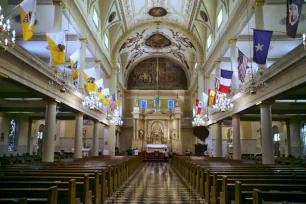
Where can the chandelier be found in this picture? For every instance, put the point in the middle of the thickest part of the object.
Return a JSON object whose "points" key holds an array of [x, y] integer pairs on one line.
{"points": [[222, 103], [199, 121], [92, 101], [61, 81], [7, 38], [116, 119], [304, 40]]}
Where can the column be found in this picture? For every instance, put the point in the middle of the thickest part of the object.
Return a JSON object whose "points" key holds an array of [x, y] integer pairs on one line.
{"points": [[112, 128], [201, 83], [83, 42], [266, 134], [50, 131], [98, 69], [295, 137], [95, 139], [234, 63], [134, 129], [78, 140], [1, 128], [219, 139], [259, 20], [236, 137], [58, 19]]}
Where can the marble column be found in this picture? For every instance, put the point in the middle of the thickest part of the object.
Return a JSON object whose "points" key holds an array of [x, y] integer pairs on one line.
{"points": [[259, 21], [201, 84], [1, 128], [234, 63], [98, 69], [236, 137], [95, 139], [50, 131], [296, 141], [219, 139], [266, 134], [84, 43], [58, 20], [78, 140], [112, 128]]}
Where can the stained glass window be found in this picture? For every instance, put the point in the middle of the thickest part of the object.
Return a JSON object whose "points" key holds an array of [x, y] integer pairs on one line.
{"points": [[12, 136], [143, 104], [170, 104]]}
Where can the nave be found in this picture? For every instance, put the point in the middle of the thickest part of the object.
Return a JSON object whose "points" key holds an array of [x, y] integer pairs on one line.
{"points": [[155, 183]]}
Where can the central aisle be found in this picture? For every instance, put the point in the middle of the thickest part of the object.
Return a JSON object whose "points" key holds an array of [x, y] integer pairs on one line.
{"points": [[155, 183]]}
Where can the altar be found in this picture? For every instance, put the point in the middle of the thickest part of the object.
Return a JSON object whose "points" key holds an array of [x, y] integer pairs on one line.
{"points": [[156, 147], [157, 130]]}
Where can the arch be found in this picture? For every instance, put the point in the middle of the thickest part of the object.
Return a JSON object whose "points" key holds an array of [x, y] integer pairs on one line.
{"points": [[165, 24]]}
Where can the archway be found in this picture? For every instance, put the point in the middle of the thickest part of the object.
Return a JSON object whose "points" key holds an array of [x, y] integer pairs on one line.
{"points": [[40, 136]]}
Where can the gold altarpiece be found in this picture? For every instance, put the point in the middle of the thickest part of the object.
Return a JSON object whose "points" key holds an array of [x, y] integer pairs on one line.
{"points": [[158, 128]]}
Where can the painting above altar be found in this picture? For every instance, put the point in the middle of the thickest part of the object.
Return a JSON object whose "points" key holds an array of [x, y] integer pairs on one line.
{"points": [[144, 76]]}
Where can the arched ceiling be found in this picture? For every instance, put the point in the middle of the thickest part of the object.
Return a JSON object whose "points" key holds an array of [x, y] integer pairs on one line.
{"points": [[124, 17]]}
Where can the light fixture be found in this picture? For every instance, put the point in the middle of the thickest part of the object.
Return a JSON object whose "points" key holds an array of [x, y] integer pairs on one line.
{"points": [[199, 120], [92, 101], [223, 103], [116, 119], [7, 37]]}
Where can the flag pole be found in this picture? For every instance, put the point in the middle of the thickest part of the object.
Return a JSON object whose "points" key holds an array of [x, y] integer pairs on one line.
{"points": [[8, 15]]}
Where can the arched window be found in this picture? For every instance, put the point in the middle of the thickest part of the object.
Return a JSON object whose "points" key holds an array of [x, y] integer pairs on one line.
{"points": [[12, 136], [304, 138]]}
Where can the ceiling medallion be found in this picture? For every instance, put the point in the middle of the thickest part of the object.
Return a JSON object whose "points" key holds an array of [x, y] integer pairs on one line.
{"points": [[158, 12], [158, 41]]}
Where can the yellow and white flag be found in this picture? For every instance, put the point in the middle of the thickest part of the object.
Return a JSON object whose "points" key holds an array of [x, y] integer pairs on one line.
{"points": [[27, 18], [90, 78], [106, 94], [100, 86], [75, 64], [57, 47]]}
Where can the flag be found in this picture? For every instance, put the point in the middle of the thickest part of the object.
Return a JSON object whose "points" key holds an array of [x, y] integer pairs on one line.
{"points": [[57, 47], [261, 45], [106, 94], [112, 102], [205, 100], [99, 84], [27, 18], [198, 106], [90, 78], [75, 64], [117, 103], [211, 98], [242, 66], [294, 9], [225, 82]]}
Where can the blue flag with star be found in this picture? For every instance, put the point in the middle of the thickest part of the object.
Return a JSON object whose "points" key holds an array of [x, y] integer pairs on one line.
{"points": [[262, 41]]}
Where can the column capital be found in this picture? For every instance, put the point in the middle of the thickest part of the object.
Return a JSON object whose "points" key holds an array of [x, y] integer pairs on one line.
{"points": [[50, 101], [1, 114], [236, 116], [219, 122], [218, 62], [79, 114], [265, 105], [95, 121], [260, 2], [98, 61], [58, 3], [83, 40], [232, 41]]}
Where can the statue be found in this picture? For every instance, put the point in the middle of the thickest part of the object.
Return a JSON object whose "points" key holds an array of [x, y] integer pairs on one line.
{"points": [[137, 102], [177, 101], [230, 135], [141, 134]]}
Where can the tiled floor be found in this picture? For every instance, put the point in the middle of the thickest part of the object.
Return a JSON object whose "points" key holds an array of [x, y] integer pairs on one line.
{"points": [[155, 183]]}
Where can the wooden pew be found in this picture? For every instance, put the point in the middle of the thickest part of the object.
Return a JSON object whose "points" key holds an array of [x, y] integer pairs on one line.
{"points": [[260, 197]]}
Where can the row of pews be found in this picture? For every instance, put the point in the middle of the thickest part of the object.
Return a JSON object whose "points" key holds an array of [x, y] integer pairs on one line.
{"points": [[19, 159], [88, 180], [223, 181]]}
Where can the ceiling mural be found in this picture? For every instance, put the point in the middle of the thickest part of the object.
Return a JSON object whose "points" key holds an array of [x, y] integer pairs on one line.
{"points": [[157, 73], [136, 11], [159, 42]]}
